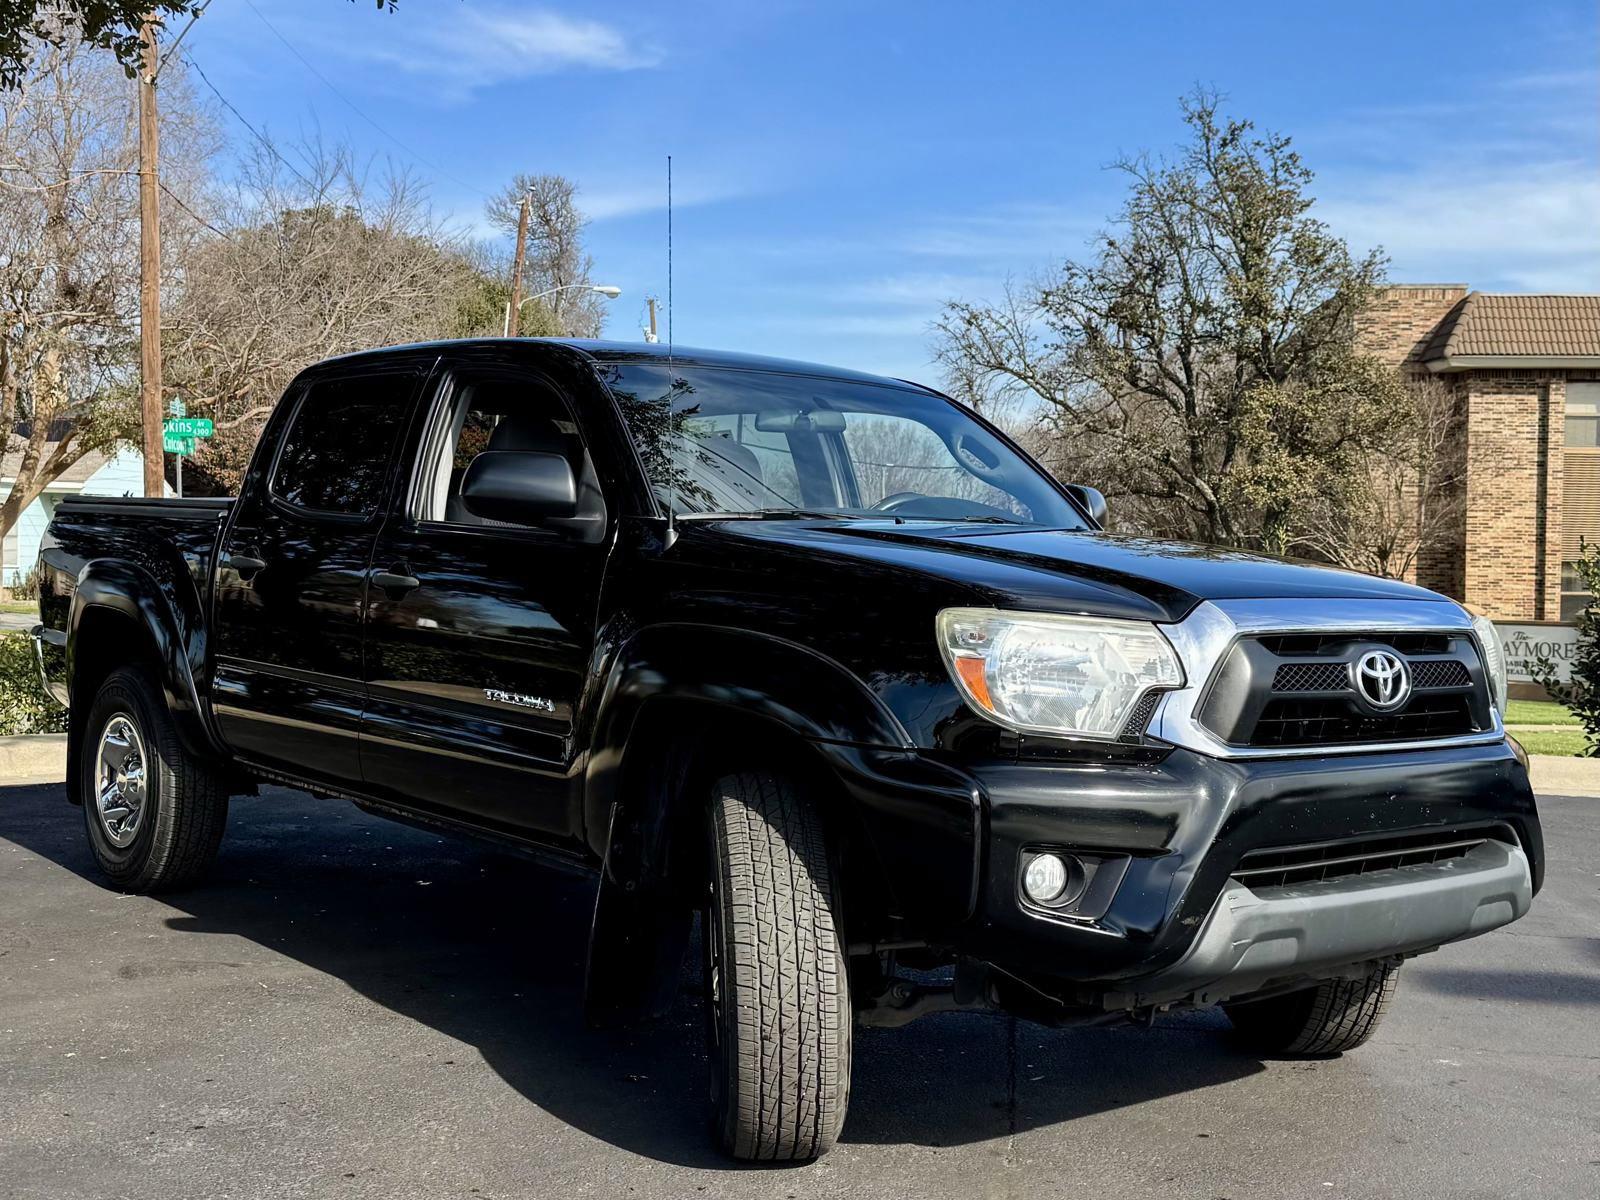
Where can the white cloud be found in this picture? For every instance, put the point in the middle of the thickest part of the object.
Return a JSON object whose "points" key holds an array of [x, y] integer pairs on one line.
{"points": [[1526, 226], [471, 46]]}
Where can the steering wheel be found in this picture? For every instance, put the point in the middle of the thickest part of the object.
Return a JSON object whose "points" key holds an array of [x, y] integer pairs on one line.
{"points": [[897, 500]]}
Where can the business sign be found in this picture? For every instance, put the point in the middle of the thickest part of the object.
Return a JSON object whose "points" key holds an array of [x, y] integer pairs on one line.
{"points": [[1525, 645]]}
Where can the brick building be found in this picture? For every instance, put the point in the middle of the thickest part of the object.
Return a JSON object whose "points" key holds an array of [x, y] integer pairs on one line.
{"points": [[1524, 374]]}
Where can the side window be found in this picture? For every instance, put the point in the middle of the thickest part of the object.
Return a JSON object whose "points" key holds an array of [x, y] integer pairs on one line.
{"points": [[335, 455], [491, 411]]}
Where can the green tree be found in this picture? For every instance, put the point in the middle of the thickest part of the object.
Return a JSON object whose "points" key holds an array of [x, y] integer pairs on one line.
{"points": [[109, 24], [1202, 364]]}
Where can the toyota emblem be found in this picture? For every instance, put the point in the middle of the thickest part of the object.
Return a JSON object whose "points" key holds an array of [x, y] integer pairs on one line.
{"points": [[1383, 679]]}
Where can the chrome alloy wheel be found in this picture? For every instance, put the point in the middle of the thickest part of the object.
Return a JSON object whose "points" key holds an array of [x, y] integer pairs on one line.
{"points": [[121, 785]]}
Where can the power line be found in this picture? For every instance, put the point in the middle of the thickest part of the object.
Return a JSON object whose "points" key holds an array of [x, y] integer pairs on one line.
{"points": [[178, 200], [260, 137], [355, 108]]}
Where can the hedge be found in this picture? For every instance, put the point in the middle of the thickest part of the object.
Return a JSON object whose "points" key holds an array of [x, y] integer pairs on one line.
{"points": [[24, 707]]}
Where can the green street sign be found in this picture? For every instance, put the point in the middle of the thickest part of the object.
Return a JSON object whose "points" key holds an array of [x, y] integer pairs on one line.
{"points": [[188, 427], [177, 445]]}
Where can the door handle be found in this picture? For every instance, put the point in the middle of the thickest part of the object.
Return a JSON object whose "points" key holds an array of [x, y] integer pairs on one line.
{"points": [[246, 565], [396, 582]]}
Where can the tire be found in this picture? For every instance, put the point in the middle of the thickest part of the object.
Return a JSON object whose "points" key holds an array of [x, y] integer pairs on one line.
{"points": [[1334, 1016], [172, 835], [777, 989]]}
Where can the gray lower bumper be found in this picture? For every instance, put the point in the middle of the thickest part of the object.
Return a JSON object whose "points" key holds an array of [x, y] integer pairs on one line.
{"points": [[1251, 940]]}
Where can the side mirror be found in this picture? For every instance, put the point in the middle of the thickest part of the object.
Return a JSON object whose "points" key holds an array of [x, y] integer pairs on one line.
{"points": [[1091, 499], [520, 486]]}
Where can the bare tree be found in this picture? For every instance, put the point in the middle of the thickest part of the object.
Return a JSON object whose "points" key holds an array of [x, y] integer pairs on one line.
{"points": [[555, 256], [69, 268], [1408, 495], [315, 256], [1194, 361]]}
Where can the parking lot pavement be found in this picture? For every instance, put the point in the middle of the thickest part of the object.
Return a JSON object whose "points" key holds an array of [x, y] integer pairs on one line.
{"points": [[354, 1008]]}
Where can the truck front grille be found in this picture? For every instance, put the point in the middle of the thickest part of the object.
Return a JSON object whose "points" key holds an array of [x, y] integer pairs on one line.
{"points": [[1283, 866], [1281, 691]]}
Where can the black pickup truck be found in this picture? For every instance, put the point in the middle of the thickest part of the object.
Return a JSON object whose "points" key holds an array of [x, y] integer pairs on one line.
{"points": [[821, 657]]}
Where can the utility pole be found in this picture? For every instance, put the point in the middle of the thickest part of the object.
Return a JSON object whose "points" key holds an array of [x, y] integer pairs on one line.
{"points": [[650, 334], [514, 313], [150, 263]]}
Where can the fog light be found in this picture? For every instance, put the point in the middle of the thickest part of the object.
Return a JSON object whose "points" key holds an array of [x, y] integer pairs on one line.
{"points": [[1044, 878]]}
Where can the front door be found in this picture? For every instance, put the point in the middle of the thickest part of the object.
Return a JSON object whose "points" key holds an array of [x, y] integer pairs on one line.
{"points": [[480, 632], [292, 574]]}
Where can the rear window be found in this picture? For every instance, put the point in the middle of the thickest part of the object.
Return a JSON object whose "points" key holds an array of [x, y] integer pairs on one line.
{"points": [[335, 456]]}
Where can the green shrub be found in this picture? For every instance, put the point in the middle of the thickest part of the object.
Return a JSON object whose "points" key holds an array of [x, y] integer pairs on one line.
{"points": [[24, 707], [1582, 694]]}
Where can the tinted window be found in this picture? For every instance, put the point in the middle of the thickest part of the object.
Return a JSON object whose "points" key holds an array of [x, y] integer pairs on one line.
{"points": [[717, 440], [335, 456]]}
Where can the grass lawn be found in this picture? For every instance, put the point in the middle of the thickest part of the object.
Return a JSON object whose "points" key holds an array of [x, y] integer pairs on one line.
{"points": [[1538, 712], [19, 606], [1560, 742]]}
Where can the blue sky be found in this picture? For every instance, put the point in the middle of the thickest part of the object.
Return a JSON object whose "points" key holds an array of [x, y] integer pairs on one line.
{"points": [[840, 169]]}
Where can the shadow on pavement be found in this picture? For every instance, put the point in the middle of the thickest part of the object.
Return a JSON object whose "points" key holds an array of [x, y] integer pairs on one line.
{"points": [[488, 949]]}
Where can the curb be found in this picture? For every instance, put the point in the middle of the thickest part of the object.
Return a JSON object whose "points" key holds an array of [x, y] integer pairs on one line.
{"points": [[33, 758], [1558, 776]]}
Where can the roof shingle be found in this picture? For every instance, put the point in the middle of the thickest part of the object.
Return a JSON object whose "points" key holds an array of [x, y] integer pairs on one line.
{"points": [[1515, 326]]}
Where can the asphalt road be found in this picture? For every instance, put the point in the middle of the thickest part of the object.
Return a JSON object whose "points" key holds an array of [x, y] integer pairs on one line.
{"points": [[354, 1008]]}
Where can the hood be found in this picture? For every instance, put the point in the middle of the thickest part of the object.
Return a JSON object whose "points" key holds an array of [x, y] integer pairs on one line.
{"points": [[1083, 571]]}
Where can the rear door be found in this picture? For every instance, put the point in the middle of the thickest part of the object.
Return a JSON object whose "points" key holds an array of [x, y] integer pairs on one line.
{"points": [[480, 632], [292, 573]]}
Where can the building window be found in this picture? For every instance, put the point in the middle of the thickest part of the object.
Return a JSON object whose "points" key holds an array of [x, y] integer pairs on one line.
{"points": [[1583, 416], [1580, 490]]}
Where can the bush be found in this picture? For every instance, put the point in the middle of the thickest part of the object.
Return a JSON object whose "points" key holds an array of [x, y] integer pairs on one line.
{"points": [[24, 707], [1582, 694]]}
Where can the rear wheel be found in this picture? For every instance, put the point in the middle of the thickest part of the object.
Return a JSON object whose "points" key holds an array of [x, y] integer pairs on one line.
{"points": [[777, 990], [153, 813], [1334, 1016]]}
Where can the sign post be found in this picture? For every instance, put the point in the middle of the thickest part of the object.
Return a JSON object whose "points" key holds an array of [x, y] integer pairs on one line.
{"points": [[179, 434]]}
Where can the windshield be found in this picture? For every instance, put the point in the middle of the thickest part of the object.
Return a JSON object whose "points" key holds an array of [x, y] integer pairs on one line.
{"points": [[755, 443]]}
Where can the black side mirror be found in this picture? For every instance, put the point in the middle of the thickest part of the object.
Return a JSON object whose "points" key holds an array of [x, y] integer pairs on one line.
{"points": [[521, 486], [1092, 501]]}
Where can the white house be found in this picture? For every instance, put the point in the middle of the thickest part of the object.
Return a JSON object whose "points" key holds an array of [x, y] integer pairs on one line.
{"points": [[95, 474]]}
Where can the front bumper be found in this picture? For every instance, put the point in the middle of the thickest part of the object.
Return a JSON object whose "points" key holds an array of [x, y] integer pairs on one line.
{"points": [[1179, 924], [1252, 940]]}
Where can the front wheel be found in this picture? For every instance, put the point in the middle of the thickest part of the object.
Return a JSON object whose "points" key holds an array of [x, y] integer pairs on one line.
{"points": [[777, 990], [154, 814], [1333, 1016]]}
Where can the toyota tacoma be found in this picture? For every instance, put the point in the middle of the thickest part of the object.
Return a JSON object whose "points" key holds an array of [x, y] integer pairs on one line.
{"points": [[821, 658]]}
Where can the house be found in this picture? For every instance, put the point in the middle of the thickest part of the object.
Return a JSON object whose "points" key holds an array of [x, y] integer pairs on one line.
{"points": [[1524, 372], [95, 474]]}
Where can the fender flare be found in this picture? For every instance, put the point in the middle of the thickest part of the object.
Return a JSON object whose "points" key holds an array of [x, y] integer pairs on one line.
{"points": [[178, 640], [641, 920]]}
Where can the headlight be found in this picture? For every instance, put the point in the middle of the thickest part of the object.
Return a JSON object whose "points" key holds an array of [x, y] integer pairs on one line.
{"points": [[1494, 660], [1068, 676]]}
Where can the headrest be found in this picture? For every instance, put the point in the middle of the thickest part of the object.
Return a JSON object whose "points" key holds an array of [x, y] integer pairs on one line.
{"points": [[528, 431]]}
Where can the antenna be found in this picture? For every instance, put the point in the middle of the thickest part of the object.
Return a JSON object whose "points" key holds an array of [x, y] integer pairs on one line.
{"points": [[669, 262]]}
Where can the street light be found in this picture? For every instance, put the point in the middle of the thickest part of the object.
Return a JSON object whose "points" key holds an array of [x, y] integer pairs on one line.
{"points": [[604, 289]]}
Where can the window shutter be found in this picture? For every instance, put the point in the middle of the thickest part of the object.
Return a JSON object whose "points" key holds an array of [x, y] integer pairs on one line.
{"points": [[1580, 501]]}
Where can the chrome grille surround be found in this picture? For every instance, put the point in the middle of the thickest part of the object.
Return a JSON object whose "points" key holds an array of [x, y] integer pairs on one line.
{"points": [[1204, 638]]}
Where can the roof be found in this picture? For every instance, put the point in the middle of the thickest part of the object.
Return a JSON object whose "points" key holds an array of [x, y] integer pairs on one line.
{"points": [[651, 352], [1486, 328], [78, 472]]}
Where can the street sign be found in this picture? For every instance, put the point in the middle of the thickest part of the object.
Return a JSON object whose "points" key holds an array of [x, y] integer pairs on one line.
{"points": [[177, 408], [173, 444], [188, 427]]}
